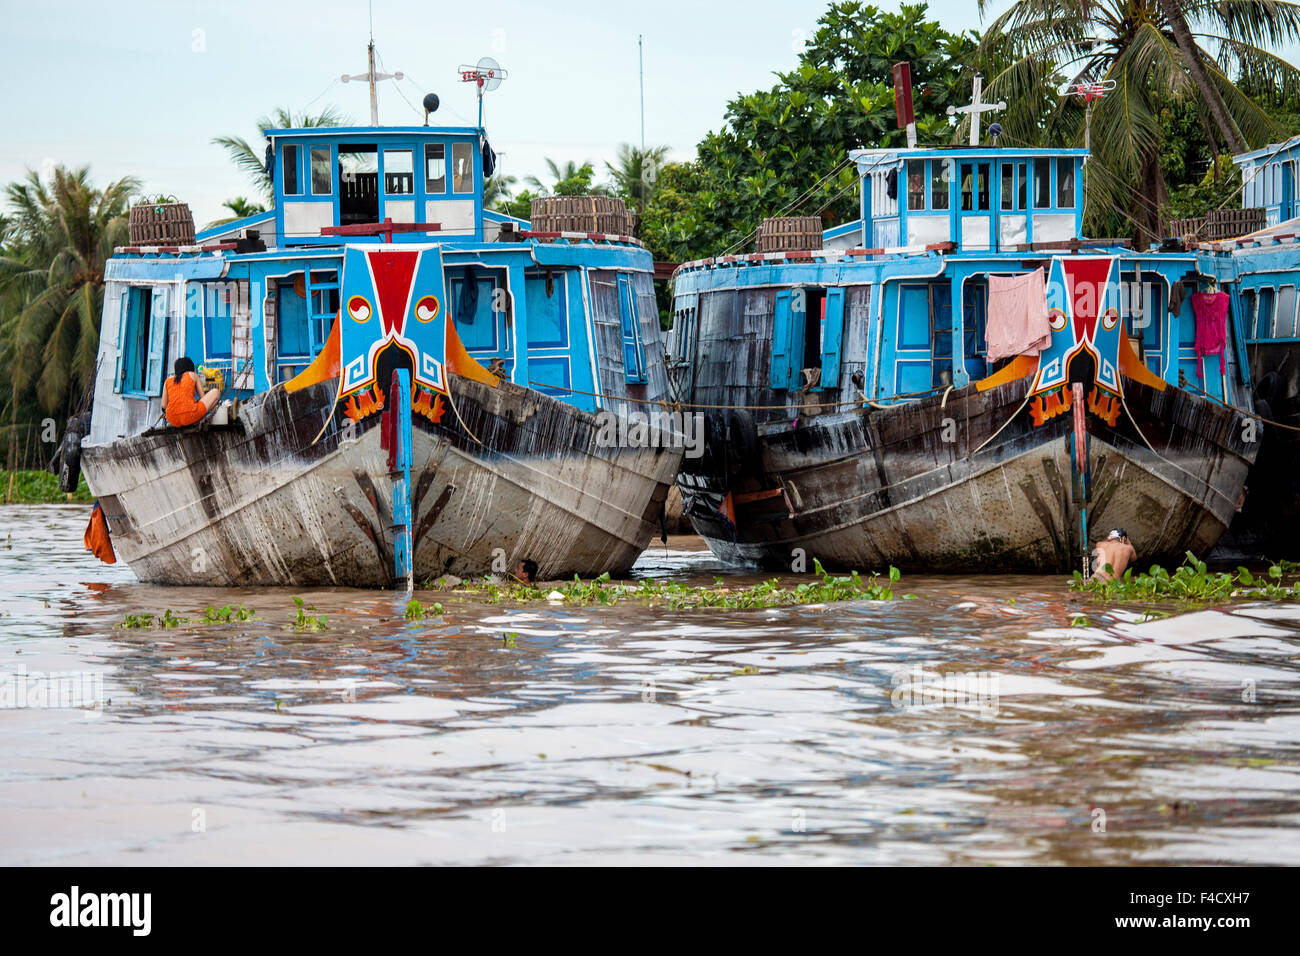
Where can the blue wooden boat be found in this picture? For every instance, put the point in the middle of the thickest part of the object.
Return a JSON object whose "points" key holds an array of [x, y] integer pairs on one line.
{"points": [[853, 414], [1253, 247], [412, 384]]}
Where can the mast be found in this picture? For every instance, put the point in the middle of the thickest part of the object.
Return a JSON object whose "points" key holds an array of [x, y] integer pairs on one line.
{"points": [[370, 75]]}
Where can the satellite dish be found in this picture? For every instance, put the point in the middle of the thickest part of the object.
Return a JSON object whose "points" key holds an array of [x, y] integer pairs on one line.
{"points": [[431, 102], [492, 73]]}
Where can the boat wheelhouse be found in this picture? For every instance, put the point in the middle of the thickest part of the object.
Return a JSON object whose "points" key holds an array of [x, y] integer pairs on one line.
{"points": [[413, 385], [855, 413]]}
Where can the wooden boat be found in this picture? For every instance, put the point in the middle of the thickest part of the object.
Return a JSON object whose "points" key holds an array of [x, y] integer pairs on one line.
{"points": [[853, 415], [418, 383], [1254, 252]]}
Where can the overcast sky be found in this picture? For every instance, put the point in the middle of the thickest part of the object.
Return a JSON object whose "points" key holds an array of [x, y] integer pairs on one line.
{"points": [[139, 87]]}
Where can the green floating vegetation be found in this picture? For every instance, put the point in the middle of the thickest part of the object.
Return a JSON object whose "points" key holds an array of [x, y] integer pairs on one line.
{"points": [[824, 589], [39, 488], [308, 622], [415, 611], [1192, 582], [226, 614]]}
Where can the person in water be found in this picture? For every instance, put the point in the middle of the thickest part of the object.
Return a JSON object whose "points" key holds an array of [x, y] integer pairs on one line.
{"points": [[526, 571], [1117, 552], [183, 401]]}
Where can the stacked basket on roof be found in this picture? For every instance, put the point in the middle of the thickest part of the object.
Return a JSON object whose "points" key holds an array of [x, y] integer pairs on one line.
{"points": [[790, 234], [587, 214], [161, 222]]}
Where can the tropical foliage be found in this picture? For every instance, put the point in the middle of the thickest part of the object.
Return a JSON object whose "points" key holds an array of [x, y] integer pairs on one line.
{"points": [[54, 242], [252, 161], [1157, 54], [784, 151]]}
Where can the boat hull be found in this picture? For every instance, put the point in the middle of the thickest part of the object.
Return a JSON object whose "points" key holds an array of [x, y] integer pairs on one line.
{"points": [[972, 483], [290, 496]]}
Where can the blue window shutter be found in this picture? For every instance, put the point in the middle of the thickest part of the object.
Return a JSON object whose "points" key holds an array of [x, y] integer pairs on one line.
{"points": [[633, 363], [157, 341], [122, 319], [781, 323], [833, 336]]}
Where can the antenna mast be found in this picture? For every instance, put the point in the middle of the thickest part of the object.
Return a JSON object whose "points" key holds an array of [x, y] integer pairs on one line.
{"points": [[640, 55], [370, 76]]}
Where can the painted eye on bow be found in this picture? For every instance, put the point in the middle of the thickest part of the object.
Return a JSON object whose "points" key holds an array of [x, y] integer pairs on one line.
{"points": [[426, 310], [359, 308], [1110, 319], [1056, 319]]}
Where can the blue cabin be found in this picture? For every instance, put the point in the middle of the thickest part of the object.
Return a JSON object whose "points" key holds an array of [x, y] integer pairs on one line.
{"points": [[1269, 180], [979, 198], [340, 176]]}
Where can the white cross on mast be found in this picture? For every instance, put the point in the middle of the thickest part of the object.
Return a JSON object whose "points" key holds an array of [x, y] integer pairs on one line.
{"points": [[371, 76], [976, 108]]}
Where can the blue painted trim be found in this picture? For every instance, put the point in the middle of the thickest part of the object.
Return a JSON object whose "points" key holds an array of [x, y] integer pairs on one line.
{"points": [[255, 219]]}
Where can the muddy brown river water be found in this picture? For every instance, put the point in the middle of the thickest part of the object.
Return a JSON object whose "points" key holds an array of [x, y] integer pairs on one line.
{"points": [[979, 723]]}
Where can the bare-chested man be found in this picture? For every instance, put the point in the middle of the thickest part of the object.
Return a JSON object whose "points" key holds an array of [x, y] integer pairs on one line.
{"points": [[1116, 551]]}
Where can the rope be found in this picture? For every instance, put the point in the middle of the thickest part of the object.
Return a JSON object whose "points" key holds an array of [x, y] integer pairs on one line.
{"points": [[1185, 382], [1123, 400], [662, 403], [452, 402]]}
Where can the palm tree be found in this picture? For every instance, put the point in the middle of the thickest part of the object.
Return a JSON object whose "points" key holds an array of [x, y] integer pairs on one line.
{"points": [[1157, 52], [56, 241], [635, 173], [243, 208], [497, 190], [558, 173], [253, 161]]}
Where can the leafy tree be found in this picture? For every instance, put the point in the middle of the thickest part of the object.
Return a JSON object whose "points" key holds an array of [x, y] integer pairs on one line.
{"points": [[56, 240], [253, 161], [635, 174], [784, 151], [243, 208], [1158, 53]]}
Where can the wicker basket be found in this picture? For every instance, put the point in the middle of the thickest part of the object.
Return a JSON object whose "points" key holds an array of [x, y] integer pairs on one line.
{"points": [[605, 214], [790, 234], [162, 224]]}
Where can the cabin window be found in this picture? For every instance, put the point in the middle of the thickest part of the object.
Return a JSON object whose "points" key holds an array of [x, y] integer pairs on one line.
{"points": [[1008, 186], [218, 310], [1264, 317], [974, 187], [1248, 312], [974, 327], [322, 172], [462, 168], [359, 184], [1065, 184], [1043, 183], [473, 309], [939, 184], [289, 171], [633, 358], [1284, 321], [682, 336], [546, 299], [399, 173], [435, 168], [142, 342], [916, 184]]}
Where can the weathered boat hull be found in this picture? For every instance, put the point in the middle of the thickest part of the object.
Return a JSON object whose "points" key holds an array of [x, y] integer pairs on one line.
{"points": [[868, 489], [267, 502]]}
